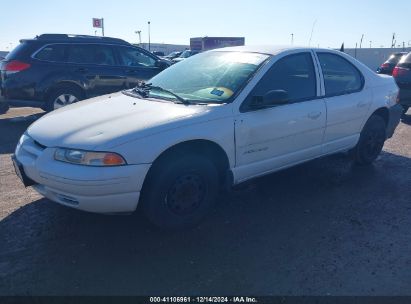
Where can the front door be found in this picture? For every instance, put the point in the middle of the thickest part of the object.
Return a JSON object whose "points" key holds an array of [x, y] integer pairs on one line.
{"points": [[273, 138], [137, 65]]}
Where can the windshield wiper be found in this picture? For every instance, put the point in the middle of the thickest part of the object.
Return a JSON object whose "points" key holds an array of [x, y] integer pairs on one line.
{"points": [[143, 89], [179, 98]]}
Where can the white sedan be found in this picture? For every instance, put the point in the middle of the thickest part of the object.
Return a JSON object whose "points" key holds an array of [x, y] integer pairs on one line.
{"points": [[214, 120]]}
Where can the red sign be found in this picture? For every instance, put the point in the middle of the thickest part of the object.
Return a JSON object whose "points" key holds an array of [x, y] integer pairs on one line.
{"points": [[97, 23]]}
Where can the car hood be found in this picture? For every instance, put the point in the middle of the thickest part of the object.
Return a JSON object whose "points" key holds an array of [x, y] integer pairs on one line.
{"points": [[108, 121]]}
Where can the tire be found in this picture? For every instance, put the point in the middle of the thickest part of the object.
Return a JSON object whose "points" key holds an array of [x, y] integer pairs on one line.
{"points": [[63, 96], [180, 191], [4, 107], [371, 141]]}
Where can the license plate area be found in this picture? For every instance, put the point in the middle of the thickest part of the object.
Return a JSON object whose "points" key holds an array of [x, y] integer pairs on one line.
{"points": [[27, 182]]}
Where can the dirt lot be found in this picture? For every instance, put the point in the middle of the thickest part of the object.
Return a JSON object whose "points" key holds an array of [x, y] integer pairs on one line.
{"points": [[323, 228]]}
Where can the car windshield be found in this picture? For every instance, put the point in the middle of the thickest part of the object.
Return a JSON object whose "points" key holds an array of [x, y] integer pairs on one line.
{"points": [[185, 54], [173, 54], [211, 77]]}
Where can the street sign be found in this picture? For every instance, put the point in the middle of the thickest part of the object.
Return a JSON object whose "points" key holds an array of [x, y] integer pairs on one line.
{"points": [[97, 22]]}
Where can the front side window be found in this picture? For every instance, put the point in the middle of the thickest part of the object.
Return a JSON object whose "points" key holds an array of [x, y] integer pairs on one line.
{"points": [[340, 76], [212, 77], [53, 53], [133, 57], [293, 74]]}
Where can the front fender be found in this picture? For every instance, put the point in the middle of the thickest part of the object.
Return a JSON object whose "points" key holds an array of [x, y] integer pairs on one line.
{"points": [[146, 150]]}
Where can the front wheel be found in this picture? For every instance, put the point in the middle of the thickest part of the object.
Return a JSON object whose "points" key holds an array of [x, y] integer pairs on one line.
{"points": [[63, 96], [371, 141], [180, 191]]}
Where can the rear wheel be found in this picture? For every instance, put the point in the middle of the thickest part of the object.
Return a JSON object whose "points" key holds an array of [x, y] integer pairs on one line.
{"points": [[63, 96], [180, 191], [371, 141]]}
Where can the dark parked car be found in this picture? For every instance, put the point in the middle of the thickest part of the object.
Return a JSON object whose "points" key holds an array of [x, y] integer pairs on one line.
{"points": [[185, 55], [388, 66], [158, 53], [173, 55], [402, 75], [53, 70]]}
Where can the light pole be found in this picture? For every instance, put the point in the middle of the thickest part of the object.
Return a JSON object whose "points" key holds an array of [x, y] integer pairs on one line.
{"points": [[149, 38], [370, 43], [139, 36], [362, 37], [292, 39]]}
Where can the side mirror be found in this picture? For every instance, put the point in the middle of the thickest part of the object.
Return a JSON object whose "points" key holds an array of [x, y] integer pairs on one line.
{"points": [[270, 99]]}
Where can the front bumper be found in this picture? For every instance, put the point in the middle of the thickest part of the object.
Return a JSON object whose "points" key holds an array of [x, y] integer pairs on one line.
{"points": [[93, 189], [394, 117]]}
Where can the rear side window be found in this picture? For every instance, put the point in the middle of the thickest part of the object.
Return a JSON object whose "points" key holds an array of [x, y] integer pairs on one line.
{"points": [[394, 58], [91, 54], [294, 74], [340, 76], [53, 53], [24, 49]]}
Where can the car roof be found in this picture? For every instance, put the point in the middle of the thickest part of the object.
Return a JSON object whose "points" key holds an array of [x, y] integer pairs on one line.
{"points": [[266, 49], [76, 38]]}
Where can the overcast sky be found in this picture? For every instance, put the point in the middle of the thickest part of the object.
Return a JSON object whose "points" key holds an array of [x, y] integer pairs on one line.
{"points": [[175, 21]]}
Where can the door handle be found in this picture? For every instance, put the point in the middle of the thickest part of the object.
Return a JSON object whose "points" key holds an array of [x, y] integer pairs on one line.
{"points": [[82, 70], [314, 115]]}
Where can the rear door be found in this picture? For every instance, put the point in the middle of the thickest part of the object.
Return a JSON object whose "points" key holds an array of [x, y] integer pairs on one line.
{"points": [[136, 65], [97, 65], [346, 99]]}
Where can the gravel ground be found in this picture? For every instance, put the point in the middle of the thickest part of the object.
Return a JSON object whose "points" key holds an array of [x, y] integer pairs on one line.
{"points": [[323, 228]]}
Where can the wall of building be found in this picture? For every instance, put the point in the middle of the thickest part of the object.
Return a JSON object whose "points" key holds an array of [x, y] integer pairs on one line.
{"points": [[374, 57], [163, 47]]}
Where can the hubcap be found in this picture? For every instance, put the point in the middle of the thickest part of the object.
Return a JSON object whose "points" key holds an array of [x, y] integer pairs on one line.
{"points": [[186, 194], [64, 100], [374, 143]]}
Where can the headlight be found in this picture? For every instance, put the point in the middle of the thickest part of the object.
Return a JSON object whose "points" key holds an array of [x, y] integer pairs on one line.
{"points": [[89, 158], [22, 139]]}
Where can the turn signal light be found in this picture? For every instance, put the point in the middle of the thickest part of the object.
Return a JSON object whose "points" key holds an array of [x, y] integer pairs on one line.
{"points": [[112, 159]]}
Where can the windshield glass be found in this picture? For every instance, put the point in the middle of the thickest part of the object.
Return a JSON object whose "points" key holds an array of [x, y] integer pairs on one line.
{"points": [[211, 77], [185, 54]]}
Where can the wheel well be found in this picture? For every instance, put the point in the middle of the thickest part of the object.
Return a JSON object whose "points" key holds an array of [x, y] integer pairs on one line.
{"points": [[383, 113], [205, 148], [60, 85]]}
